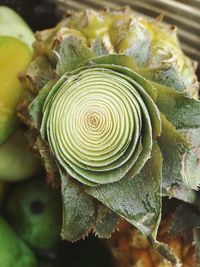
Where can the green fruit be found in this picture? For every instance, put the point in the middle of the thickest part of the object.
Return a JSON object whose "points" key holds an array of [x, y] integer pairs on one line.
{"points": [[34, 211], [13, 251], [11, 24], [17, 162], [14, 58]]}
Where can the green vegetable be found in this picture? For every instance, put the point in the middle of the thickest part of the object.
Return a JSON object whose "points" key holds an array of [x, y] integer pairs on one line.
{"points": [[34, 211], [13, 251]]}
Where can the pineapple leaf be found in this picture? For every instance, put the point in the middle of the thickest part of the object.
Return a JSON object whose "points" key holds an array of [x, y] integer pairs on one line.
{"points": [[183, 112], [140, 205], [166, 252], [107, 221], [79, 210], [173, 146], [167, 75], [191, 166], [176, 153], [36, 107], [39, 72], [184, 219], [49, 161], [71, 53]]}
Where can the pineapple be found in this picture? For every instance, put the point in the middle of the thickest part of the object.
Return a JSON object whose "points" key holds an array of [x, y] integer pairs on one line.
{"points": [[112, 107], [130, 249]]}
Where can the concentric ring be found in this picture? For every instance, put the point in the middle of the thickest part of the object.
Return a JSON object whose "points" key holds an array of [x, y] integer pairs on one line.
{"points": [[94, 124]]}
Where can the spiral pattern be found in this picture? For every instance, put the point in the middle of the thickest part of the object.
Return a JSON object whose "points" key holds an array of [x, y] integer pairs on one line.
{"points": [[98, 125]]}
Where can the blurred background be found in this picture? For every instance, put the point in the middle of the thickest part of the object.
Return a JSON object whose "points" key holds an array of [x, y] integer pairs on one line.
{"points": [[183, 13]]}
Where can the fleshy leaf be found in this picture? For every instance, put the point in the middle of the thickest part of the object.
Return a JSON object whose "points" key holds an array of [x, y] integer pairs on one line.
{"points": [[98, 48], [167, 75], [183, 112], [187, 195], [184, 219], [71, 53], [106, 222], [39, 72], [131, 38], [166, 252], [79, 210], [124, 61], [36, 107], [191, 163], [49, 161], [140, 205], [178, 161], [173, 147]]}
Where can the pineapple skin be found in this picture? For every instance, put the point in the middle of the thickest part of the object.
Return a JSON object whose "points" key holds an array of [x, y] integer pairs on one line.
{"points": [[152, 45], [129, 248]]}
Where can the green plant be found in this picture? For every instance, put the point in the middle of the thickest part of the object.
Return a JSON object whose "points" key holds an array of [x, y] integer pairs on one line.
{"points": [[113, 113]]}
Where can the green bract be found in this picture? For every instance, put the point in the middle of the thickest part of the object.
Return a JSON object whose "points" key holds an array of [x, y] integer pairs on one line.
{"points": [[115, 120]]}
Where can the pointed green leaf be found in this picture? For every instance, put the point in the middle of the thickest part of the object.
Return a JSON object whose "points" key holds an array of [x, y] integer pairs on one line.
{"points": [[36, 107], [191, 161], [106, 222], [164, 250], [186, 195], [181, 157], [140, 205], [184, 219], [39, 72], [49, 161], [138, 200], [79, 210], [183, 112], [98, 48], [173, 146], [168, 75], [72, 51], [131, 38]]}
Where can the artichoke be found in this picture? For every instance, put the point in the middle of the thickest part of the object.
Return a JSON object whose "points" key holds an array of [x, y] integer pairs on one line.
{"points": [[112, 108]]}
